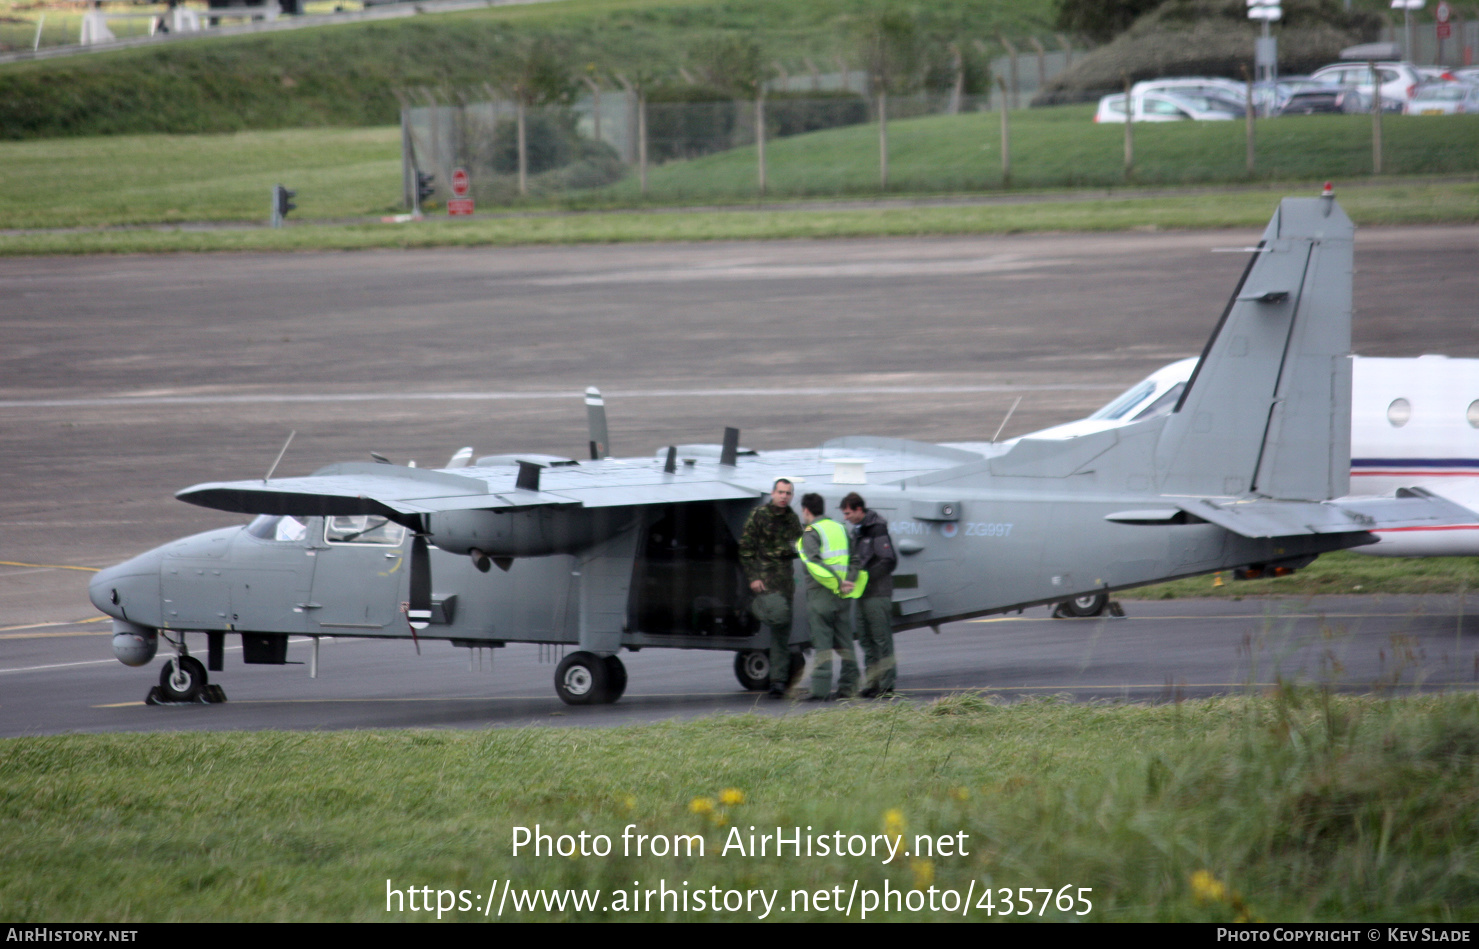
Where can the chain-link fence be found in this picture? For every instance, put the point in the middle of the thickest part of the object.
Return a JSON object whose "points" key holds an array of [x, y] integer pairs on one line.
{"points": [[600, 146]]}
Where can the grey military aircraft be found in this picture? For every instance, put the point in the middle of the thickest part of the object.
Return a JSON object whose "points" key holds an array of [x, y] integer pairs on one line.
{"points": [[610, 553]]}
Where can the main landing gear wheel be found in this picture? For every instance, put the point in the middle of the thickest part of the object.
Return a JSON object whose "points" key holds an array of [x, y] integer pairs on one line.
{"points": [[584, 678], [1090, 604], [752, 668], [616, 678], [181, 679]]}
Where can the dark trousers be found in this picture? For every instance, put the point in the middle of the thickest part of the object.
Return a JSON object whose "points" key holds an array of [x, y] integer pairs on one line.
{"points": [[830, 629]]}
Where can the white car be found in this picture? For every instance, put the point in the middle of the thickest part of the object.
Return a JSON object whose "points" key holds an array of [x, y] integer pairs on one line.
{"points": [[1229, 89], [1445, 98], [1166, 107], [1399, 81]]}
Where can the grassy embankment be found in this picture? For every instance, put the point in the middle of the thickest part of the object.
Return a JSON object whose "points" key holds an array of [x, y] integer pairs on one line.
{"points": [[1305, 806], [356, 173], [348, 74]]}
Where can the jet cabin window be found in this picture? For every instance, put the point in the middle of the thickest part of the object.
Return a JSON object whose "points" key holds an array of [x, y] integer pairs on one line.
{"points": [[276, 527], [1162, 405], [363, 529], [1122, 405]]}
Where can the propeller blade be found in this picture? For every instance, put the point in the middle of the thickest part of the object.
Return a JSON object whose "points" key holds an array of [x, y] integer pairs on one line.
{"points": [[729, 454], [419, 613], [462, 458], [595, 414]]}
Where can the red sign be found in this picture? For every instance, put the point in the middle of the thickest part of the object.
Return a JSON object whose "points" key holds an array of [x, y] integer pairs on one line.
{"points": [[1445, 30], [458, 206], [459, 182]]}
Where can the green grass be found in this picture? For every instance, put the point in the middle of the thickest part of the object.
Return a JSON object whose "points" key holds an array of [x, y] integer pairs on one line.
{"points": [[1400, 203], [1062, 148], [1341, 572], [354, 174], [138, 179], [1305, 806]]}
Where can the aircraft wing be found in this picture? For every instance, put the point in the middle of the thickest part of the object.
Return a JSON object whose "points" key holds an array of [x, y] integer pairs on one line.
{"points": [[389, 490], [1265, 517]]}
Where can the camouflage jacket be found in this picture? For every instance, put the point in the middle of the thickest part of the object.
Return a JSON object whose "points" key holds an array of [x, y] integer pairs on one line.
{"points": [[768, 546]]}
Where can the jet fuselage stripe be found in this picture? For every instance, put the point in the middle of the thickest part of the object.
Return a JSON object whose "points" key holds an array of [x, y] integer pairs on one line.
{"points": [[1415, 463]]}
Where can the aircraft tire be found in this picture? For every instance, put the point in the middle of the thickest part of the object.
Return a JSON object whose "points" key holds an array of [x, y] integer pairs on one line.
{"points": [[181, 679], [581, 679], [616, 678], [752, 669], [1090, 604]]}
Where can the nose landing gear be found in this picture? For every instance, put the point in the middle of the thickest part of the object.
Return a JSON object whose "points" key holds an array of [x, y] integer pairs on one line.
{"points": [[183, 681]]}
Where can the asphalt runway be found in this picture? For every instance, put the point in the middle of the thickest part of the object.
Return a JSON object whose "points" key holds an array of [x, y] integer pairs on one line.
{"points": [[1162, 651], [124, 379]]}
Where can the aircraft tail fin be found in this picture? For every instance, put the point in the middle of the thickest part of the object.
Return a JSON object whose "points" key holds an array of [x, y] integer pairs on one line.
{"points": [[1267, 412]]}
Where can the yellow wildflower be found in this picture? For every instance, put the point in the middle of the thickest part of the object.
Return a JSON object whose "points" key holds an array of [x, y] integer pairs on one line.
{"points": [[701, 805], [731, 797], [924, 872], [893, 827], [1207, 888], [960, 794]]}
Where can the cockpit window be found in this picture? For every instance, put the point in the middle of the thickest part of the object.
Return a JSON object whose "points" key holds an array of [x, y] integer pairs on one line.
{"points": [[278, 527], [1125, 402], [363, 529], [1162, 405]]}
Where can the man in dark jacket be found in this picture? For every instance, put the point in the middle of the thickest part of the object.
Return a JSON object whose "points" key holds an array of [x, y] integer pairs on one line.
{"points": [[876, 554], [767, 551]]}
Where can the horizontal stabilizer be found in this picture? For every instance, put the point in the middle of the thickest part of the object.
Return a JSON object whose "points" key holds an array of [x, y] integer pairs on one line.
{"points": [[1263, 518]]}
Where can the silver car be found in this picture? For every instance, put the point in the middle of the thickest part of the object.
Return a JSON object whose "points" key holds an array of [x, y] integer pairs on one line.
{"points": [[1166, 107], [1399, 81]]}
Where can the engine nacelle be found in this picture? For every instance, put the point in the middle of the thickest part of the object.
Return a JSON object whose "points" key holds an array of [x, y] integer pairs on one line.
{"points": [[528, 532], [134, 645]]}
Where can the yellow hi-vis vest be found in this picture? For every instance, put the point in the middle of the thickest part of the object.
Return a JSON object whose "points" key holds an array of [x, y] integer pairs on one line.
{"points": [[835, 553]]}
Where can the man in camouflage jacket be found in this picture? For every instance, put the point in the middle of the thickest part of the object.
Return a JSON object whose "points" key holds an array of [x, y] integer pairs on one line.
{"points": [[767, 549]]}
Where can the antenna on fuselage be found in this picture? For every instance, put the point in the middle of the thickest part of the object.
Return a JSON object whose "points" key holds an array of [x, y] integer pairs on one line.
{"points": [[268, 476], [1006, 420], [595, 414]]}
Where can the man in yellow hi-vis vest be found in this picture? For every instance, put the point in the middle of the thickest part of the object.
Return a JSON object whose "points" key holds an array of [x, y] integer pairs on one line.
{"points": [[831, 577]]}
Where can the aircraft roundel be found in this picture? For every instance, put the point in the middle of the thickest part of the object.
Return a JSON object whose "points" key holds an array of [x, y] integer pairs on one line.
{"points": [[949, 528]]}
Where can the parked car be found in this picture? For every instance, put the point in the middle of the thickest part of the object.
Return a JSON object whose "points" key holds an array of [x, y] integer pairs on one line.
{"points": [[1322, 99], [1269, 97], [1399, 81], [1436, 73], [1167, 107], [1229, 89], [1445, 98]]}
